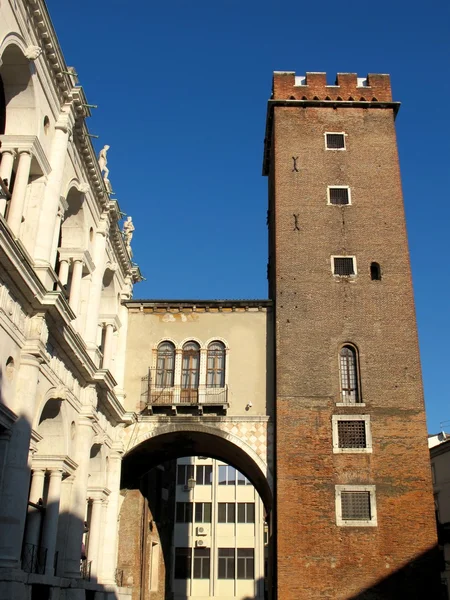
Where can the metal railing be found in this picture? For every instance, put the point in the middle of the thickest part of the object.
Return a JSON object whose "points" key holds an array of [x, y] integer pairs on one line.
{"points": [[34, 558], [156, 392], [85, 569]]}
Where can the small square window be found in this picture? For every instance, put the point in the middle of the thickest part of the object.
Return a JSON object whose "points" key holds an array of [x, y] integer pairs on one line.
{"points": [[344, 266], [335, 141], [339, 195], [356, 506], [351, 434]]}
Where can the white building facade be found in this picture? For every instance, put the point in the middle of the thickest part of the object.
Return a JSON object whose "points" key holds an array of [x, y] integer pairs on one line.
{"points": [[65, 268], [218, 542]]}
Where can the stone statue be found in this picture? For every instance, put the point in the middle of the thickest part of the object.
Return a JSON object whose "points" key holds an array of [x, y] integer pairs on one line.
{"points": [[127, 231], [103, 161]]}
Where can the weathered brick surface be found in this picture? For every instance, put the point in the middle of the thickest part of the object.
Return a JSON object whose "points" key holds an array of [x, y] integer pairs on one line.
{"points": [[315, 314]]}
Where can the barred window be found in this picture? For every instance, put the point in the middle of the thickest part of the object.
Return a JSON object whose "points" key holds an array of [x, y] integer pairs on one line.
{"points": [[246, 512], [226, 512], [183, 557], [344, 266], [203, 475], [352, 434], [165, 365], [355, 506], [184, 512], [349, 374], [215, 376], [203, 512], [201, 563], [184, 472], [339, 195], [245, 563], [226, 563], [335, 141]]}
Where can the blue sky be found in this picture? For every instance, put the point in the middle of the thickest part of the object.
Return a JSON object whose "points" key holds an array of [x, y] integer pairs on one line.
{"points": [[182, 88]]}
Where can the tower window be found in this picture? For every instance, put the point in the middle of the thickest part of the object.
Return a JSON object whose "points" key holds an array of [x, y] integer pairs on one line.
{"points": [[348, 366], [375, 271], [335, 141], [339, 195], [355, 505], [351, 434], [344, 266]]}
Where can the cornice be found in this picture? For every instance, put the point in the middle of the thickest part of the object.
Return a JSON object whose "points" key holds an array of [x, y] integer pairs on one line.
{"points": [[54, 463]]}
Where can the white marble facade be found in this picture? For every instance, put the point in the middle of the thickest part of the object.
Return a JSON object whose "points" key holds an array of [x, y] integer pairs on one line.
{"points": [[61, 363]]}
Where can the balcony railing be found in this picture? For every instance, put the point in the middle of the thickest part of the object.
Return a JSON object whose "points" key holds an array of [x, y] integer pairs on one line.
{"points": [[154, 392], [85, 569], [34, 558]]}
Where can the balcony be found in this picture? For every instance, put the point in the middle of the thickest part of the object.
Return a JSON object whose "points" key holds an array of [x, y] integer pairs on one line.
{"points": [[156, 397]]}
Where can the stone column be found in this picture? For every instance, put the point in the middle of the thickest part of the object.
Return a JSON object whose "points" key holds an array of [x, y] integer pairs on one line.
{"points": [[84, 438], [63, 522], [107, 350], [95, 291], [50, 529], [119, 370], [17, 202], [94, 535], [13, 503], [49, 209], [109, 550], [6, 168], [75, 285], [64, 271], [34, 515]]}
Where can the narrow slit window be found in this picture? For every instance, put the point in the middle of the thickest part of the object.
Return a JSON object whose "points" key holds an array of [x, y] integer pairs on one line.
{"points": [[335, 141], [344, 266], [339, 195]]}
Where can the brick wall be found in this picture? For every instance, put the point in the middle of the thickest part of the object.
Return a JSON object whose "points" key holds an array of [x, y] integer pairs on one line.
{"points": [[315, 314]]}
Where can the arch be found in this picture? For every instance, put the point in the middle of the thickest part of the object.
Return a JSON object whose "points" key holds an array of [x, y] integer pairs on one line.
{"points": [[189, 339], [217, 338], [74, 232], [176, 440], [97, 466], [19, 98], [52, 427], [108, 301]]}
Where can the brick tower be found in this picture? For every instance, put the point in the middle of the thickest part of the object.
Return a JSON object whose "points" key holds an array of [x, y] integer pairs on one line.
{"points": [[354, 504]]}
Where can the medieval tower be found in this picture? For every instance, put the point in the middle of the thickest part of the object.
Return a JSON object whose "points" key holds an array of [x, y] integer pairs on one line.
{"points": [[354, 509]]}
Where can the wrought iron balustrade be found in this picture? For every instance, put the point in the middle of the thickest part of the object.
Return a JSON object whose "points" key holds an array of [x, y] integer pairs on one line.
{"points": [[34, 558], [157, 390]]}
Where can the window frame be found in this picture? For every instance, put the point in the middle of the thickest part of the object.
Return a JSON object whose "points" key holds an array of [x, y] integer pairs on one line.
{"points": [[202, 509], [247, 560], [219, 364], [340, 522], [229, 558], [338, 450], [198, 558], [192, 370], [355, 269], [228, 519], [227, 481], [187, 508], [203, 469], [246, 509], [344, 135], [188, 557], [161, 373], [187, 468], [359, 400], [339, 187]]}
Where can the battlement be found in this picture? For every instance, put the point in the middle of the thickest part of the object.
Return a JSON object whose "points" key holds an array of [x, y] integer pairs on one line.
{"points": [[348, 87]]}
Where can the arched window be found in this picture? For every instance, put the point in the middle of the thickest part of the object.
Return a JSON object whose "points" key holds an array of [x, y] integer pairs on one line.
{"points": [[375, 271], [349, 374], [190, 366], [215, 375], [165, 365]]}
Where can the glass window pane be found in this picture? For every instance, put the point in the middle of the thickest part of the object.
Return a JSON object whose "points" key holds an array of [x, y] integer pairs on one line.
{"points": [[181, 474], [208, 475], [198, 512], [222, 512], [231, 475], [250, 512], [222, 474], [242, 479], [207, 512], [241, 512], [231, 513], [222, 567]]}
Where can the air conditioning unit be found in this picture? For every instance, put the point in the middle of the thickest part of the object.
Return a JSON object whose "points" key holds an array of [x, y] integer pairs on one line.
{"points": [[200, 543], [202, 531]]}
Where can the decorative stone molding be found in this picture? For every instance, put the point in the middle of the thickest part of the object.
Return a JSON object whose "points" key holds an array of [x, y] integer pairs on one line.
{"points": [[84, 188], [98, 493], [54, 463], [32, 52], [27, 143]]}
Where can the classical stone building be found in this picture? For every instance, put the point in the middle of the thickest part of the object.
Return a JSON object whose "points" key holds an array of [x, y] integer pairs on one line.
{"points": [[314, 395]]}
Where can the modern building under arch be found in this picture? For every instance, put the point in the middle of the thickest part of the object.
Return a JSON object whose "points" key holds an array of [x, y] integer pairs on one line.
{"points": [[314, 394]]}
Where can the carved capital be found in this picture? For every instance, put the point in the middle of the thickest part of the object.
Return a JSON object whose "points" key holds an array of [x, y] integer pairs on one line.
{"points": [[84, 188], [37, 330], [32, 52], [65, 122]]}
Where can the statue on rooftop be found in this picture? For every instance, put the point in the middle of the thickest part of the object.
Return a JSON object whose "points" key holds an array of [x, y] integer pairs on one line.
{"points": [[127, 231], [103, 161]]}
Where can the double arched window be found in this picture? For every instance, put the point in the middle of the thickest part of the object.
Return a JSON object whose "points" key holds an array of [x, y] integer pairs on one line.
{"points": [[348, 364], [215, 373], [165, 365]]}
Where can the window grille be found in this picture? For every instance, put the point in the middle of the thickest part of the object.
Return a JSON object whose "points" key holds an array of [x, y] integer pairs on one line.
{"points": [[335, 141], [352, 434], [344, 266], [165, 365], [349, 375], [226, 563], [339, 195], [355, 506], [215, 376], [245, 563], [201, 563]]}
